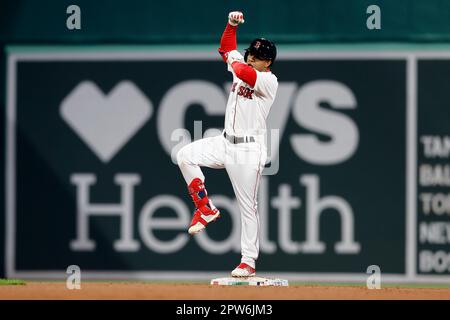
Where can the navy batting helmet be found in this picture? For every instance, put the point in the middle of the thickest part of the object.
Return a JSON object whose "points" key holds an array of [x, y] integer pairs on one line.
{"points": [[262, 49]]}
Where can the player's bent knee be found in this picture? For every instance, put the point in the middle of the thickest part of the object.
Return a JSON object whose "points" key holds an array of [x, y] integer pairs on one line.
{"points": [[183, 155]]}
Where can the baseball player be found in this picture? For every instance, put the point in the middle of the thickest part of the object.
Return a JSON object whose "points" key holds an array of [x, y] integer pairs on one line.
{"points": [[241, 149]]}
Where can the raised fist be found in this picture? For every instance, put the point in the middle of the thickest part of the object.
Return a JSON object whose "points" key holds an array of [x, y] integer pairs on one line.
{"points": [[235, 18]]}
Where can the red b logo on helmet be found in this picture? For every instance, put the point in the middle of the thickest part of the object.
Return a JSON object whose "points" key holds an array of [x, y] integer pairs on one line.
{"points": [[257, 44]]}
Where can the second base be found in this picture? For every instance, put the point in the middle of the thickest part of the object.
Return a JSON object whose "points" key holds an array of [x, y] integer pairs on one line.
{"points": [[250, 281]]}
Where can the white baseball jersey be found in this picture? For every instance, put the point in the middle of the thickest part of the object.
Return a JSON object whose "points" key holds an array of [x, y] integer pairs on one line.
{"points": [[248, 107]]}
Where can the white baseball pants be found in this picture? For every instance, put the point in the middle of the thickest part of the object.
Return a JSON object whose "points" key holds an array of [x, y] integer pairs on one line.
{"points": [[244, 163]]}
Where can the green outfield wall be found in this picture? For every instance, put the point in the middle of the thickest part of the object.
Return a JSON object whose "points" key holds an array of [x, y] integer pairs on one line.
{"points": [[202, 21]]}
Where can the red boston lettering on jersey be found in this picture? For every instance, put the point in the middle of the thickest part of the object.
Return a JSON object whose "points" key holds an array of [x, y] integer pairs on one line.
{"points": [[245, 92], [233, 88], [249, 93]]}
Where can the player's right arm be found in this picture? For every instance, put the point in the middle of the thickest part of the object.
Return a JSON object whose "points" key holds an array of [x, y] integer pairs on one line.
{"points": [[230, 55], [228, 40]]}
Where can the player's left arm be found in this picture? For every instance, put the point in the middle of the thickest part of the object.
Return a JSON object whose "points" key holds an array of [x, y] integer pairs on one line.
{"points": [[244, 72], [264, 83]]}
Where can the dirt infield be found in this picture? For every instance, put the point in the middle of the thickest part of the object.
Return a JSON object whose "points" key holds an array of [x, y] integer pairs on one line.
{"points": [[144, 291]]}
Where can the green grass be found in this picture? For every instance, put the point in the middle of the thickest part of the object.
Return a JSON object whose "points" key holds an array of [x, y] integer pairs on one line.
{"points": [[11, 282]]}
